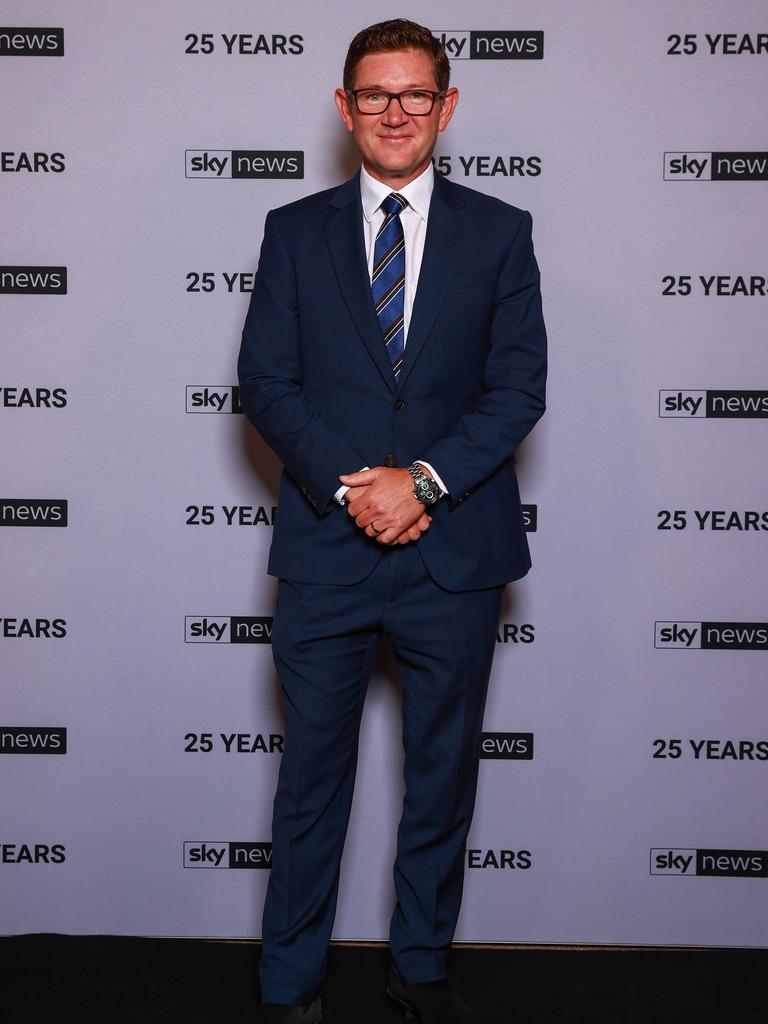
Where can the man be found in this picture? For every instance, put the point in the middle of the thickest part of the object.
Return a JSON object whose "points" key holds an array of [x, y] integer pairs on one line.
{"points": [[393, 357]]}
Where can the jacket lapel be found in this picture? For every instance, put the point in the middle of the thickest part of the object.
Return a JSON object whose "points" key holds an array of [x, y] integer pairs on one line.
{"points": [[344, 233], [442, 247]]}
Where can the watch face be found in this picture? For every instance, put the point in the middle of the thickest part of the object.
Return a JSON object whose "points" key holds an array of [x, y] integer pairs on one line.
{"points": [[425, 488], [427, 491]]}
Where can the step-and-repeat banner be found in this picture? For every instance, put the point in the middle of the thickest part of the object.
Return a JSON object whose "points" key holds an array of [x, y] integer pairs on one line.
{"points": [[622, 787]]}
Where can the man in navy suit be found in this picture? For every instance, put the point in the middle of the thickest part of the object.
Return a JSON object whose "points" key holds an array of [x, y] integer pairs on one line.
{"points": [[393, 356]]}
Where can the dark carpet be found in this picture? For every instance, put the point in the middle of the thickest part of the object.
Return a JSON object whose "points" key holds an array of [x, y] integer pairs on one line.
{"points": [[46, 978]]}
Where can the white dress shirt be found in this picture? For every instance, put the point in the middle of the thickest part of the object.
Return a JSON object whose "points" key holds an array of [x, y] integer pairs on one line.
{"points": [[414, 220]]}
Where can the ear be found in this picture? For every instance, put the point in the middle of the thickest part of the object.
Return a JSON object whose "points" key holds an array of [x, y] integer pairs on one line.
{"points": [[341, 99], [447, 108]]}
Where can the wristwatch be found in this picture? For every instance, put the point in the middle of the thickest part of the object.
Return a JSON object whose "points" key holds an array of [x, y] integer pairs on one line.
{"points": [[424, 487]]}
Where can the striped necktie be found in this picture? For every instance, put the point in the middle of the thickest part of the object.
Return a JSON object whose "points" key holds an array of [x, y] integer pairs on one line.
{"points": [[388, 279]]}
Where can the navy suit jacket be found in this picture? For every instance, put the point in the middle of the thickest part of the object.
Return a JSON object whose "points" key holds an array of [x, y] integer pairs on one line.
{"points": [[316, 382]]}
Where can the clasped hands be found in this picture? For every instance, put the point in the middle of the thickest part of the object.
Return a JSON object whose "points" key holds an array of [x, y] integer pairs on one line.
{"points": [[382, 502]]}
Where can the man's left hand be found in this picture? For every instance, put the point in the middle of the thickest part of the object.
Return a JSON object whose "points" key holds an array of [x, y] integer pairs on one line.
{"points": [[387, 508]]}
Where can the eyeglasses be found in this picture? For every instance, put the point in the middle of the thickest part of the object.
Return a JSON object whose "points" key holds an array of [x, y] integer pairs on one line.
{"points": [[413, 101]]}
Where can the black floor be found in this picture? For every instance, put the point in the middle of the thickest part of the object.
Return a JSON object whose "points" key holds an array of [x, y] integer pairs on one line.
{"points": [[46, 978]]}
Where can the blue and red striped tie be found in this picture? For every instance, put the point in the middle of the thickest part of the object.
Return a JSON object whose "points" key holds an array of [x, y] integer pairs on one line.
{"points": [[388, 279]]}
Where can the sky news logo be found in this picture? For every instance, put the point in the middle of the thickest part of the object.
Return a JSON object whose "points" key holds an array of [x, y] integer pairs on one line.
{"points": [[227, 855], [711, 636], [716, 166], [228, 629], [29, 739], [244, 163], [711, 863], [507, 746], [33, 512], [33, 280], [215, 398], [31, 42], [492, 44], [714, 404]]}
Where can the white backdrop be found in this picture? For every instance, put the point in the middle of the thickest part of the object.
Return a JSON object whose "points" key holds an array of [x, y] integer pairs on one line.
{"points": [[649, 748]]}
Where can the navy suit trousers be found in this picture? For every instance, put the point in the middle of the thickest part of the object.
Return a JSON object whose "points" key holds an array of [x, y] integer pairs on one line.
{"points": [[324, 640]]}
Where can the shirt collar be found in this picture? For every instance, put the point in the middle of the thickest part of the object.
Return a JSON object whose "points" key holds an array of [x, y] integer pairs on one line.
{"points": [[418, 192]]}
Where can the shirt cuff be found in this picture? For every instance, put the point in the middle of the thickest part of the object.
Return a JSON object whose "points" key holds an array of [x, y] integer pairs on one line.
{"points": [[339, 495], [433, 474]]}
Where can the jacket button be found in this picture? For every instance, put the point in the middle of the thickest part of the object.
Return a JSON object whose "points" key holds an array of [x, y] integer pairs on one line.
{"points": [[389, 460], [399, 403]]}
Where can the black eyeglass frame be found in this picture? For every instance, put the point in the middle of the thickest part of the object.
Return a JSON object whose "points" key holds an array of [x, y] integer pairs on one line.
{"points": [[434, 93]]}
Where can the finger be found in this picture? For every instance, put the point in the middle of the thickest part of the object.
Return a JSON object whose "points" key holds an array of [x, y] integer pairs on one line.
{"points": [[355, 492], [358, 505], [364, 476], [420, 526], [368, 517], [403, 538], [388, 536]]}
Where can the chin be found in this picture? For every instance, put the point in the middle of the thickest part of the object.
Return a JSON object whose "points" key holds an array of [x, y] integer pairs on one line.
{"points": [[396, 161], [396, 170]]}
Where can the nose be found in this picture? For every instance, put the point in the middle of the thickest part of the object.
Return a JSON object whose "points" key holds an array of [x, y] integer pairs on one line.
{"points": [[394, 114]]}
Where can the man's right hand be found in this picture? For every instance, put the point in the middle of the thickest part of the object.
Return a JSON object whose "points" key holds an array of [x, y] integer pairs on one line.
{"points": [[412, 533]]}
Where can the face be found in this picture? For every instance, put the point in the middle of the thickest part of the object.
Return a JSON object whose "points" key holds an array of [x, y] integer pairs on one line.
{"points": [[396, 147]]}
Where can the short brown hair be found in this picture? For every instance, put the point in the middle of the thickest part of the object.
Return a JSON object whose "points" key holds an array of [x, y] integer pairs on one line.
{"points": [[397, 34]]}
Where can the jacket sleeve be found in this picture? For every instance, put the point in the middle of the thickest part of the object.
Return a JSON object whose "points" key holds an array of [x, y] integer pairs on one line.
{"points": [[514, 379], [270, 375]]}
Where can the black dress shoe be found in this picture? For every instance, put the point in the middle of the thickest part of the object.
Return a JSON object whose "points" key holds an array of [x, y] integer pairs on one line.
{"points": [[429, 1002], [281, 1013]]}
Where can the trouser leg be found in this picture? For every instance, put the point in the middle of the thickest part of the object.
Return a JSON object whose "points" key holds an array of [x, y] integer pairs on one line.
{"points": [[324, 639], [444, 644]]}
